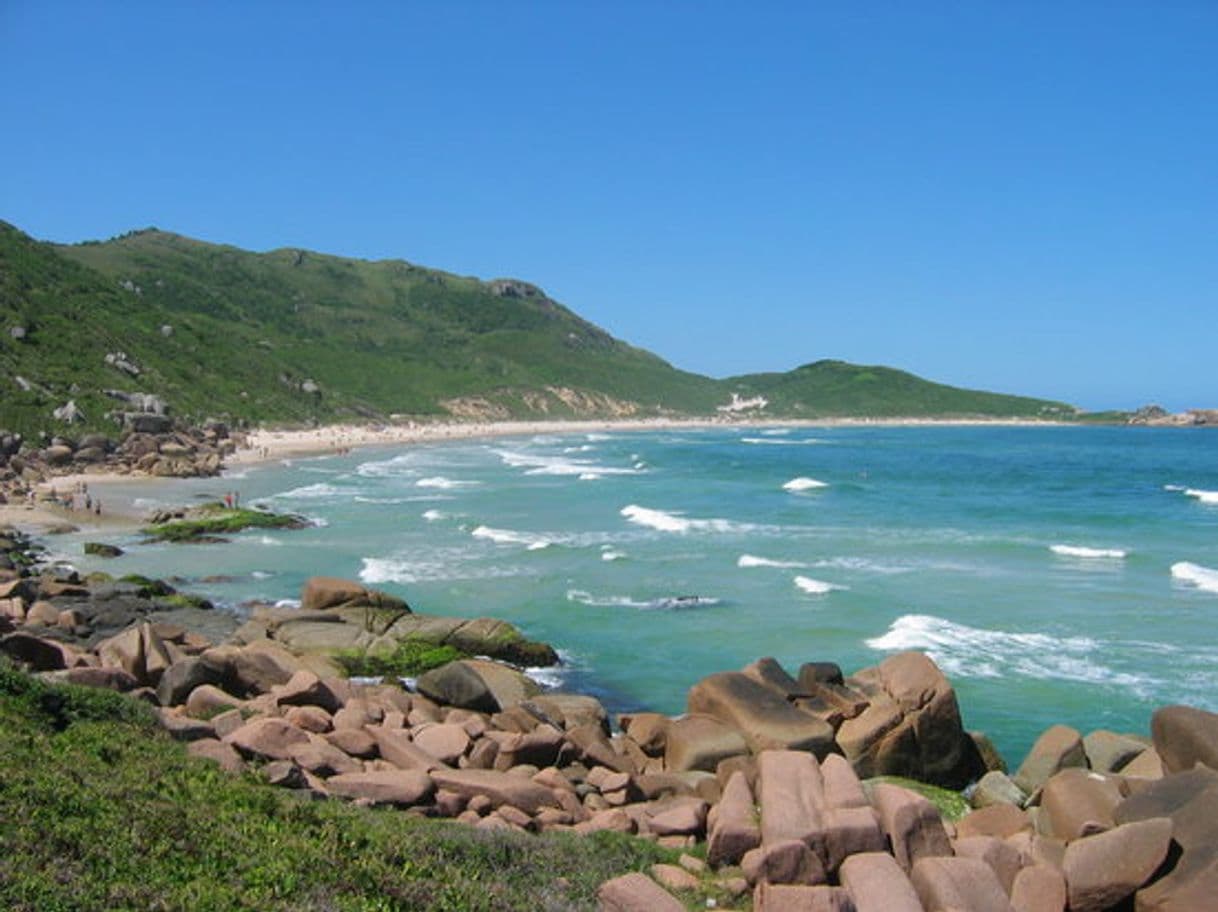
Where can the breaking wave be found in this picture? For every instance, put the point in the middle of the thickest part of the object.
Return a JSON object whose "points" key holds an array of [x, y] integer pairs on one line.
{"points": [[1088, 553], [674, 522], [815, 586], [510, 537], [664, 603], [1203, 578], [979, 653], [804, 484], [749, 560]]}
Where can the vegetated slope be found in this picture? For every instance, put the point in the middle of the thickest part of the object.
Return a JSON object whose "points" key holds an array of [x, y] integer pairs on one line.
{"points": [[836, 388], [294, 336], [102, 810], [395, 337]]}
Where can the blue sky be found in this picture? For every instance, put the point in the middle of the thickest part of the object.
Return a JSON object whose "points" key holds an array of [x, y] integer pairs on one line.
{"points": [[1013, 196]]}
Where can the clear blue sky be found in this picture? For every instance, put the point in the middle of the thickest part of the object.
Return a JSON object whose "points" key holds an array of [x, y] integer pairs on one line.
{"points": [[1015, 196]]}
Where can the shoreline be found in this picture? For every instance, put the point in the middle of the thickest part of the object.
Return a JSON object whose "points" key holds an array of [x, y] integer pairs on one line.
{"points": [[269, 444]]}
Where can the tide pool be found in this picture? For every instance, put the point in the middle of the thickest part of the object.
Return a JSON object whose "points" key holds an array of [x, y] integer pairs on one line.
{"points": [[1056, 574]]}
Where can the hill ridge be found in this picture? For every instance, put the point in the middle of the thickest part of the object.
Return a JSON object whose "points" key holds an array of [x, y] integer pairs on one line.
{"points": [[293, 335]]}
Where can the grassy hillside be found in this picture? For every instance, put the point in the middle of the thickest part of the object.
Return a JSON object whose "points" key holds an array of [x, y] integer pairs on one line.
{"points": [[293, 336], [836, 388], [102, 811]]}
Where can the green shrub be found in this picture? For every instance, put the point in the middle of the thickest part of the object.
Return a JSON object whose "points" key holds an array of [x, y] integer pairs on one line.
{"points": [[409, 659]]}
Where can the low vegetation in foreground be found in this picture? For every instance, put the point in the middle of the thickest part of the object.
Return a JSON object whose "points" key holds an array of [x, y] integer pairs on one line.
{"points": [[408, 659], [102, 811]]}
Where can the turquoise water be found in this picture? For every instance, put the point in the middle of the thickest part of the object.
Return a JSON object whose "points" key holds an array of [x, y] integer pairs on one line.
{"points": [[651, 559]]}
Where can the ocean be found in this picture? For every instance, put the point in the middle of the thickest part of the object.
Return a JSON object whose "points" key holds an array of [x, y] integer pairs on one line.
{"points": [[1056, 574]]}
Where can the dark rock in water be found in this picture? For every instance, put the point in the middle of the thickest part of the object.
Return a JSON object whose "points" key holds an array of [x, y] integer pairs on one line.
{"points": [[1185, 736], [100, 549]]}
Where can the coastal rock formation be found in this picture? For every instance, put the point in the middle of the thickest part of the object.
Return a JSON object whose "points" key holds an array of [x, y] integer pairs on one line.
{"points": [[802, 826]]}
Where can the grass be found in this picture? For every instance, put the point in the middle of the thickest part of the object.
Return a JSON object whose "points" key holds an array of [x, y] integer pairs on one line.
{"points": [[102, 811], [215, 519], [247, 330], [952, 805], [409, 659]]}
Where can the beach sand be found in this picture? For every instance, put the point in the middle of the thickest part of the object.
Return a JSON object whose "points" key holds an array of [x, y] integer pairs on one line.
{"points": [[268, 444]]}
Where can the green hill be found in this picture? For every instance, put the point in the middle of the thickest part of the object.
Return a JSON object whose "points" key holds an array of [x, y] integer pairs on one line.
{"points": [[295, 336], [836, 388]]}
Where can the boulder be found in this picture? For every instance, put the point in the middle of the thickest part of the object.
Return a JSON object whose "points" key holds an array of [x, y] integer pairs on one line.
{"points": [[850, 831], [571, 710], [272, 739], [958, 883], [445, 742], [733, 827], [912, 824], [1108, 752], [785, 861], [477, 684], [1076, 803], [1056, 749], [996, 788], [396, 747], [636, 892], [842, 786], [764, 717], [101, 549], [105, 678], [500, 788], [183, 676], [323, 759], [403, 788], [1105, 869], [791, 794], [770, 897], [259, 667], [305, 688], [324, 592], [1185, 736], [700, 742], [207, 700], [681, 816], [1001, 820], [878, 884], [184, 728], [1003, 858], [218, 752], [38, 654], [1039, 888]]}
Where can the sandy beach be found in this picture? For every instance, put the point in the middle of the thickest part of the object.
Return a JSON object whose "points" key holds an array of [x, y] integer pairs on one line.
{"points": [[270, 444]]}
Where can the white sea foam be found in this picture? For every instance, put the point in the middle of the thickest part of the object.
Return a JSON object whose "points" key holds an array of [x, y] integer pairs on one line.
{"points": [[596, 438], [815, 586], [590, 476], [288, 603], [262, 574], [450, 564], [552, 677], [611, 555], [582, 448], [1203, 578], [1088, 553], [776, 432], [975, 652], [267, 540], [396, 467], [1174, 487], [433, 515], [804, 483], [781, 441], [439, 481], [1206, 497], [510, 537], [750, 560], [540, 464], [319, 491], [663, 603], [867, 565], [664, 521], [383, 501]]}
